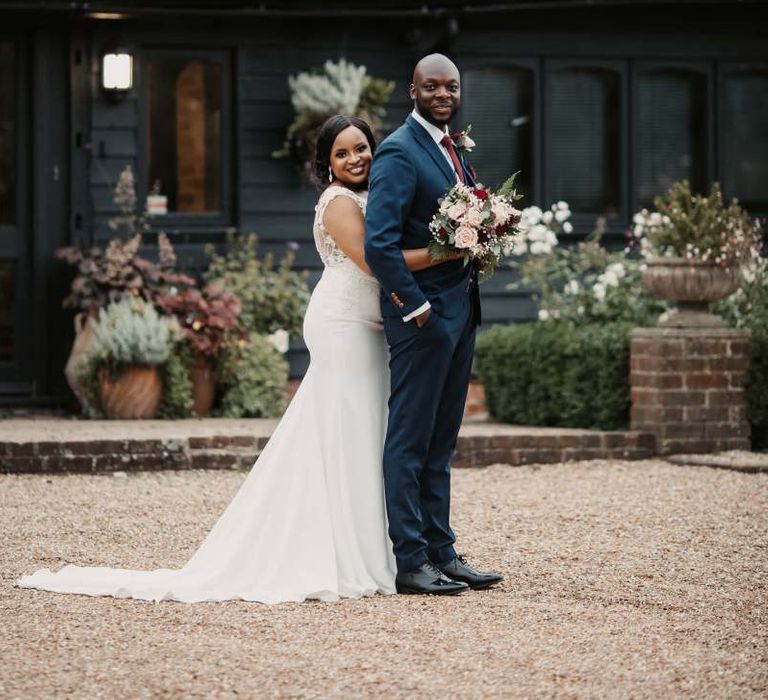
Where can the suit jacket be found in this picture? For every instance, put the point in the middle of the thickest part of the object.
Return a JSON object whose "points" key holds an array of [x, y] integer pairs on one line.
{"points": [[408, 176]]}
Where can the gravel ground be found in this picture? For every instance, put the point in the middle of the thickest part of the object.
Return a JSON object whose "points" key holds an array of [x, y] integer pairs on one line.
{"points": [[624, 579]]}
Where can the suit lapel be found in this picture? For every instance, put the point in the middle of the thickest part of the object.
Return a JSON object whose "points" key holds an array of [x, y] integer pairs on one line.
{"points": [[428, 144]]}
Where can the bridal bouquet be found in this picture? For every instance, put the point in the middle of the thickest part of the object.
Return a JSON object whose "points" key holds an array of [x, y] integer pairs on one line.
{"points": [[477, 224]]}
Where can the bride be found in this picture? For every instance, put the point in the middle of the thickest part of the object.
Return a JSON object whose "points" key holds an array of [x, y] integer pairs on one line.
{"points": [[309, 520]]}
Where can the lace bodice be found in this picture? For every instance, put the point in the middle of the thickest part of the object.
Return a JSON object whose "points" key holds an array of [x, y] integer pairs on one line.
{"points": [[330, 253]]}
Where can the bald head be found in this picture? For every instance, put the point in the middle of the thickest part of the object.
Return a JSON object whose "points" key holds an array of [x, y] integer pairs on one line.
{"points": [[436, 89], [435, 63]]}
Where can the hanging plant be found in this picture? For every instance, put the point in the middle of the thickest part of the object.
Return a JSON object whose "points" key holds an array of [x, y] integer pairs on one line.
{"points": [[340, 88]]}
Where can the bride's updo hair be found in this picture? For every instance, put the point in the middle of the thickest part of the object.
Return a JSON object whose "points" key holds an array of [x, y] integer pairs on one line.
{"points": [[327, 135]]}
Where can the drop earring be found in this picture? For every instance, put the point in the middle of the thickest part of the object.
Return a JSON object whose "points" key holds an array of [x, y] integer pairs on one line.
{"points": [[330, 174]]}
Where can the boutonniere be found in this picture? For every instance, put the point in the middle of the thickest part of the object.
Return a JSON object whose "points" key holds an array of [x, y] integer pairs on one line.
{"points": [[461, 140]]}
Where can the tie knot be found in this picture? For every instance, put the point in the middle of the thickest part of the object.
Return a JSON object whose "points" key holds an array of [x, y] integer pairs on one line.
{"points": [[446, 141]]}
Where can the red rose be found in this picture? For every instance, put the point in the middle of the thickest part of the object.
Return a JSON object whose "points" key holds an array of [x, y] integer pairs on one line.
{"points": [[482, 195], [442, 234]]}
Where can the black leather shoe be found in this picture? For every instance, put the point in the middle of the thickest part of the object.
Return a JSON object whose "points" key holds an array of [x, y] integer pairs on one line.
{"points": [[427, 579], [459, 570]]}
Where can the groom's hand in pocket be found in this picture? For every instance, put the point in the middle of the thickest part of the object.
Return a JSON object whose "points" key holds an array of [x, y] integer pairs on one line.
{"points": [[423, 317]]}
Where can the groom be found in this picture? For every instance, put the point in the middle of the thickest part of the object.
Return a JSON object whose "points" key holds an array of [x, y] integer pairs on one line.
{"points": [[430, 319]]}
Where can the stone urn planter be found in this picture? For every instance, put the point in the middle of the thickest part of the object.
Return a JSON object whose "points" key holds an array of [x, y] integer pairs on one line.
{"points": [[202, 374], [692, 286], [134, 393], [81, 346]]}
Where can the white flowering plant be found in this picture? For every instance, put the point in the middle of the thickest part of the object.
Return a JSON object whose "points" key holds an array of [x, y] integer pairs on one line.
{"points": [[698, 228], [476, 224], [339, 88], [578, 282]]}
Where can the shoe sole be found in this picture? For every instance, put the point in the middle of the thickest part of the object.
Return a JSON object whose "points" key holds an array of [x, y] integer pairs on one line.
{"points": [[484, 586], [405, 590]]}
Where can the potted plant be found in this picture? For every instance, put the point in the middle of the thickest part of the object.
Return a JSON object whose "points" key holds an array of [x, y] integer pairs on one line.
{"points": [[695, 248], [340, 88], [209, 320], [130, 340], [108, 275]]}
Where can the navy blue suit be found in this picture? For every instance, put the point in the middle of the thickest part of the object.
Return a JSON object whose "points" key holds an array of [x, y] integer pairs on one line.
{"points": [[429, 366]]}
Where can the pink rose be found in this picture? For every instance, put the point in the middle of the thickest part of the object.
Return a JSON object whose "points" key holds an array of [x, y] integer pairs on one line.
{"points": [[465, 237]]}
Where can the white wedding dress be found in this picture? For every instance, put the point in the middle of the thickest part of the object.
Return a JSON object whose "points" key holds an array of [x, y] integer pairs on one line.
{"points": [[309, 520]]}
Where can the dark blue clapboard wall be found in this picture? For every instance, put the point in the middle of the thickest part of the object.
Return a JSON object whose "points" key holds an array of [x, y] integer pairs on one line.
{"points": [[520, 54]]}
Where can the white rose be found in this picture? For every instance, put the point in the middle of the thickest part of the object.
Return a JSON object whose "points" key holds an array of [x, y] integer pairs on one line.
{"points": [[610, 278], [562, 205], [599, 291], [618, 269], [567, 227], [551, 238], [456, 211], [539, 248], [519, 247], [572, 287], [465, 237], [533, 214], [469, 144], [500, 212], [280, 340], [473, 217], [561, 215], [445, 205], [543, 315], [547, 217]]}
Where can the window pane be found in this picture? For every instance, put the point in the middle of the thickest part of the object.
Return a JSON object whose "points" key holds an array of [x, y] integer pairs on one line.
{"points": [[7, 133], [672, 132], [583, 150], [745, 144], [7, 315], [184, 105], [498, 102]]}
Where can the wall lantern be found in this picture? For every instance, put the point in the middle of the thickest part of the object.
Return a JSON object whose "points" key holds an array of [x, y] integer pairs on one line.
{"points": [[117, 73]]}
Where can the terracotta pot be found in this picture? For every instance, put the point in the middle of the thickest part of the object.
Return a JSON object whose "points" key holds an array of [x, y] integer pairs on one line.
{"points": [[135, 393], [203, 377], [80, 348], [692, 286]]}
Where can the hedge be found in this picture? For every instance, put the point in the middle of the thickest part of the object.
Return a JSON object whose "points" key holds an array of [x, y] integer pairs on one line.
{"points": [[556, 375]]}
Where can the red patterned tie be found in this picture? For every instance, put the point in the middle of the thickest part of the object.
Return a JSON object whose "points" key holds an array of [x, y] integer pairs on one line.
{"points": [[448, 145]]}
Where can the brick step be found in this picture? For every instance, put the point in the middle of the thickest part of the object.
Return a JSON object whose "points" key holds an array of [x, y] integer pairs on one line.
{"points": [[479, 445]]}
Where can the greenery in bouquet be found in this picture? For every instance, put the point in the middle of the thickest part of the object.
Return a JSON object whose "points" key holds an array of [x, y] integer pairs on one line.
{"points": [[476, 224], [108, 275], [580, 282], [253, 374], [698, 228], [273, 296], [209, 318], [339, 88]]}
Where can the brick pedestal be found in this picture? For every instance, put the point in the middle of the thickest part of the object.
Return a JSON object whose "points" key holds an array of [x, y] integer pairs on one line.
{"points": [[688, 387]]}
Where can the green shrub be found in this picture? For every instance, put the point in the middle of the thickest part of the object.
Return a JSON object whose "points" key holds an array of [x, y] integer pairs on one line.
{"points": [[748, 308], [177, 383], [272, 295], [557, 374], [254, 376]]}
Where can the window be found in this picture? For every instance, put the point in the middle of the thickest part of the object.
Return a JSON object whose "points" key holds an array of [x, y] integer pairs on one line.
{"points": [[498, 103], [744, 143], [671, 131], [185, 140], [583, 138]]}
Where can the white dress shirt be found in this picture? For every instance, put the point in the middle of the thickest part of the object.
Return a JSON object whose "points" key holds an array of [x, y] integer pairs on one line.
{"points": [[437, 135]]}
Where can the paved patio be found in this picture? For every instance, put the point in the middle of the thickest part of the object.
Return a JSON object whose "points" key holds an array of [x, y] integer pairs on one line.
{"points": [[623, 579]]}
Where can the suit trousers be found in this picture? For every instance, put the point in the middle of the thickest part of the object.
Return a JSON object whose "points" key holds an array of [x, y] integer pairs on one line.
{"points": [[430, 369]]}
